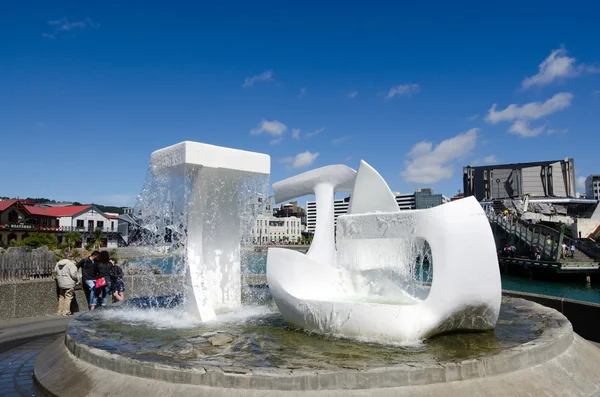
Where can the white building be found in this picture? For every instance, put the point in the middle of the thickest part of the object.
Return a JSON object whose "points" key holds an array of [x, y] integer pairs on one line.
{"points": [[285, 229], [340, 207], [270, 229], [592, 187]]}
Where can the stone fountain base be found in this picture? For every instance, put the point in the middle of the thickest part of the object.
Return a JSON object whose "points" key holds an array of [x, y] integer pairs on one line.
{"points": [[552, 361]]}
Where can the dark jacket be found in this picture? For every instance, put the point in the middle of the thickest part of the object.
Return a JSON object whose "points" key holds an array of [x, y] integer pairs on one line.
{"points": [[104, 270], [89, 269]]}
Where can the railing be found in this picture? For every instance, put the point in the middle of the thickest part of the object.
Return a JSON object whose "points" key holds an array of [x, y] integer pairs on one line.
{"points": [[20, 264], [40, 228], [544, 238]]}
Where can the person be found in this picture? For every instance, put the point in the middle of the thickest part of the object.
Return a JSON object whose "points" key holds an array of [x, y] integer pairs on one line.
{"points": [[104, 266], [572, 250], [89, 272], [118, 286], [67, 277], [564, 251]]}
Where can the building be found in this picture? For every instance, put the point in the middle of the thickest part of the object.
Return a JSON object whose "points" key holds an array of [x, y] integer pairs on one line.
{"points": [[276, 226], [421, 199], [285, 230], [592, 187], [554, 178], [19, 217]]}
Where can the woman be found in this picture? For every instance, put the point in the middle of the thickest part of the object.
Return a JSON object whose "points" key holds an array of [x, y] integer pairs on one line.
{"points": [[104, 265]]}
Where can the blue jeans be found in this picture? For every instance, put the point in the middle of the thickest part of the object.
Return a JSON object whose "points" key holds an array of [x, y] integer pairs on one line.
{"points": [[91, 284], [105, 291]]}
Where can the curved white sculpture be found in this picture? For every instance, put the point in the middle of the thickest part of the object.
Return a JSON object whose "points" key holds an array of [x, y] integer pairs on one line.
{"points": [[347, 295]]}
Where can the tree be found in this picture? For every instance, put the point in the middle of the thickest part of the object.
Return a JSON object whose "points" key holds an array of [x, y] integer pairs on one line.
{"points": [[37, 240], [72, 239], [97, 238]]}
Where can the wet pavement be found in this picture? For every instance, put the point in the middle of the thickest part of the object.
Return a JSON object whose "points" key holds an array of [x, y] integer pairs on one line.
{"points": [[16, 368]]}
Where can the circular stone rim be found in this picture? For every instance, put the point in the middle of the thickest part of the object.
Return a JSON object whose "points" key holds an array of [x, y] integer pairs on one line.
{"points": [[549, 344]]}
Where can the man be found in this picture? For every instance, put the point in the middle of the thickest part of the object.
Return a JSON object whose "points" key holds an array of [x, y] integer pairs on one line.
{"points": [[67, 277], [89, 271], [572, 250]]}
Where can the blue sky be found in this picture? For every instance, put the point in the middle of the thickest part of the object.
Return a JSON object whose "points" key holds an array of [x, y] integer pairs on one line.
{"points": [[89, 89]]}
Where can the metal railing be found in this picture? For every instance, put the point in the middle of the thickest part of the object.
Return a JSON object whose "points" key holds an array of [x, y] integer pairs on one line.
{"points": [[40, 228], [544, 238]]}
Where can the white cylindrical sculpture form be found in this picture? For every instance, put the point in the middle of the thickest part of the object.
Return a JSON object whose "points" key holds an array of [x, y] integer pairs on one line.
{"points": [[352, 297], [213, 176]]}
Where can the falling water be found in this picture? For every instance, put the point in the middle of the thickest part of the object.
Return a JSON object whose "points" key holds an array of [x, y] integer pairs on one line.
{"points": [[167, 199]]}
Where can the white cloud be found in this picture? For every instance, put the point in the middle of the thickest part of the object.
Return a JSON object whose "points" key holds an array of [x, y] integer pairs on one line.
{"points": [[274, 128], [296, 133], [521, 127], [429, 165], [301, 160], [313, 133], [581, 183], [405, 89], [473, 117], [264, 77], [302, 92], [341, 139], [557, 131], [491, 159], [557, 66], [530, 111], [596, 92], [276, 141], [64, 25], [352, 94]]}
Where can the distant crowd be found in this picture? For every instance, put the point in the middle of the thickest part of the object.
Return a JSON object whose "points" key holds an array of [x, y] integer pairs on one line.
{"points": [[100, 279]]}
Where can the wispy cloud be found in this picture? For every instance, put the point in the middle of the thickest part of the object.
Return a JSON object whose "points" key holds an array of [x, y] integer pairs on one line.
{"points": [[403, 90], [264, 77], [64, 25], [274, 128], [521, 127], [473, 117], [557, 66], [300, 161], [596, 92], [337, 141], [352, 94], [302, 92], [580, 182], [557, 131], [522, 115], [276, 141], [427, 164], [297, 133], [313, 133], [491, 159]]}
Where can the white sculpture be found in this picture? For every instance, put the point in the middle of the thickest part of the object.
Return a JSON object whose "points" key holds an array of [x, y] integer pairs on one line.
{"points": [[214, 175], [351, 291]]}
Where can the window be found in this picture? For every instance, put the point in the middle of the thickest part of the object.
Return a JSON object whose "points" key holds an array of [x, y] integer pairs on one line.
{"points": [[100, 224], [80, 223], [13, 217], [112, 225], [90, 225]]}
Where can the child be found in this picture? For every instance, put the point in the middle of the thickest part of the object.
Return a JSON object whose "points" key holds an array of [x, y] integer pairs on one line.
{"points": [[118, 286]]}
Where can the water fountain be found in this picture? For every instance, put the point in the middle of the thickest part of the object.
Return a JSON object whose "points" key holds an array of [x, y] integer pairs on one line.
{"points": [[352, 315]]}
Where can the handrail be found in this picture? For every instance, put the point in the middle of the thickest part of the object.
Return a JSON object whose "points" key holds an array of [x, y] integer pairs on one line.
{"points": [[532, 235], [39, 228]]}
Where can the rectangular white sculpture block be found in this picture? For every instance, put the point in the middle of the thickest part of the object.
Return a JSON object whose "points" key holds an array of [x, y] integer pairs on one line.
{"points": [[213, 176]]}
